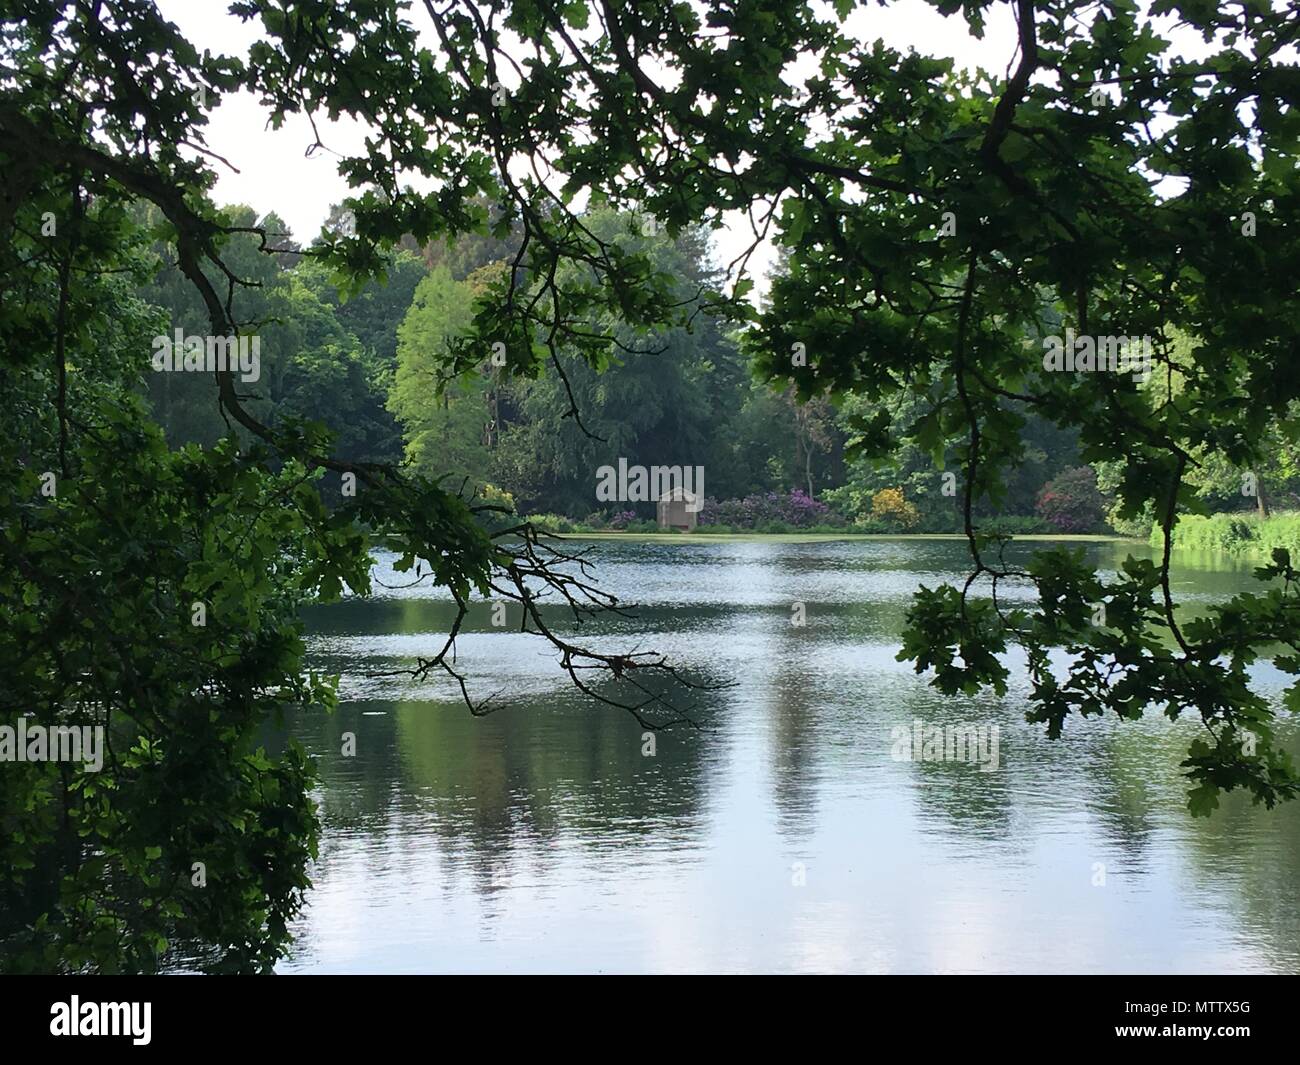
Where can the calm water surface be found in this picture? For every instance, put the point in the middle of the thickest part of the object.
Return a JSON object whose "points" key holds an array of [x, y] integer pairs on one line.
{"points": [[541, 838]]}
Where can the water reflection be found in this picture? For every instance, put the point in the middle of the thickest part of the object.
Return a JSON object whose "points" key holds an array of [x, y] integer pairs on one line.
{"points": [[784, 838]]}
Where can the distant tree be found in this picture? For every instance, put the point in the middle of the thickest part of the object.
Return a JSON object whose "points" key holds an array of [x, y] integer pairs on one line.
{"points": [[321, 373], [444, 420], [373, 314], [657, 398], [182, 402]]}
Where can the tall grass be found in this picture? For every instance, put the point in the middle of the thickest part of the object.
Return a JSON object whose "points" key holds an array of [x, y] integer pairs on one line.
{"points": [[1242, 534]]}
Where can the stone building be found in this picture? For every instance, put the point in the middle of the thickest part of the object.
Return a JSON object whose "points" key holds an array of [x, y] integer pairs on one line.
{"points": [[678, 508]]}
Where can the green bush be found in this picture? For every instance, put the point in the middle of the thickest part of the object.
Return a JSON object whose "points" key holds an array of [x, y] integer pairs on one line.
{"points": [[555, 523], [1133, 527]]}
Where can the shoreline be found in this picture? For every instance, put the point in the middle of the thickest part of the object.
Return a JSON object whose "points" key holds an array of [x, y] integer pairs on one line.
{"points": [[698, 537]]}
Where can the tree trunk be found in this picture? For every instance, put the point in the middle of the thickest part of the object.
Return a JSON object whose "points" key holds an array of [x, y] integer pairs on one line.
{"points": [[1260, 502]]}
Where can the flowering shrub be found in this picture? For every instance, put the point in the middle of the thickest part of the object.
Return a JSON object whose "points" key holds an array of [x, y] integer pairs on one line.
{"points": [[889, 506], [622, 518], [772, 508], [1071, 502]]}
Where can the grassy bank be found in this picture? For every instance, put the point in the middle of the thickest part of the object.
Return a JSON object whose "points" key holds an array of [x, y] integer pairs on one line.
{"points": [[1238, 534]]}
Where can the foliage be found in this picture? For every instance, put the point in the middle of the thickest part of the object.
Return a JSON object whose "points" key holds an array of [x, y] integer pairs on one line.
{"points": [[1243, 533], [651, 398], [1016, 525], [313, 369], [880, 441], [793, 509], [893, 511], [1110, 473], [1071, 503], [373, 314], [558, 523], [443, 420], [100, 577], [497, 497]]}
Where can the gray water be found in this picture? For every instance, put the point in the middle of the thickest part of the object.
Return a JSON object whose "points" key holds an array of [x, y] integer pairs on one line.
{"points": [[784, 837]]}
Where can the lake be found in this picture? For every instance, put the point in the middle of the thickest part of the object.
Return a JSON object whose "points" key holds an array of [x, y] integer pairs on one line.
{"points": [[784, 837]]}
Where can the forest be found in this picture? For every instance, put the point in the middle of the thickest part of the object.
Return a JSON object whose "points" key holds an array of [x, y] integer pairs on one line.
{"points": [[370, 363]]}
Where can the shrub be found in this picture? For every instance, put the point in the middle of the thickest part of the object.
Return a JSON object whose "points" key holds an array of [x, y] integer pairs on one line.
{"points": [[796, 509], [848, 501], [889, 508], [556, 523], [1071, 501], [1134, 527]]}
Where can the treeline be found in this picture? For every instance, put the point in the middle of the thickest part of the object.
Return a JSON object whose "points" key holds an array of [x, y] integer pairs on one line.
{"points": [[373, 365]]}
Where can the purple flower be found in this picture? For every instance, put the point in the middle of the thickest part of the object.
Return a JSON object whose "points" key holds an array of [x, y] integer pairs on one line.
{"points": [[794, 508]]}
